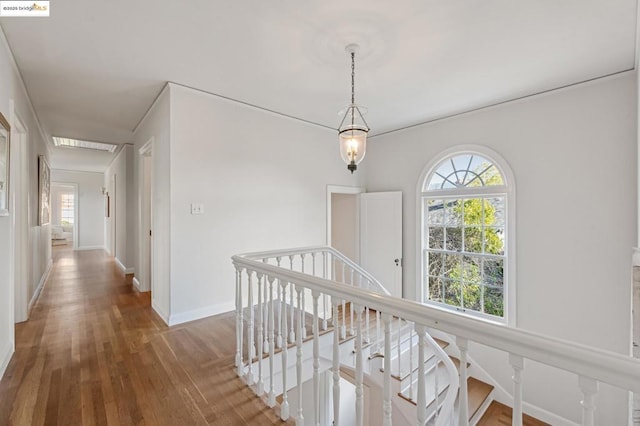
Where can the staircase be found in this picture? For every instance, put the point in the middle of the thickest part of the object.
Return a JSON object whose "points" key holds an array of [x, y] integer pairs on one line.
{"points": [[322, 342]]}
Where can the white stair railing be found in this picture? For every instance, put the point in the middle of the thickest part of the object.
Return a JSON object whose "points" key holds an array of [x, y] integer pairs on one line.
{"points": [[344, 289], [338, 302]]}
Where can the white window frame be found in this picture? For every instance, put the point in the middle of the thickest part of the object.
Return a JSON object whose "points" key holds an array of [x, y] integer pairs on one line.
{"points": [[73, 206], [508, 190]]}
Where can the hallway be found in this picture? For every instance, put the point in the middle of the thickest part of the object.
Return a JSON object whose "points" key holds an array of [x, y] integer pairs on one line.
{"points": [[94, 352]]}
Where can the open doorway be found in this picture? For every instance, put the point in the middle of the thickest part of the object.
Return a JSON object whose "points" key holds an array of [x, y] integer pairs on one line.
{"points": [[343, 229], [144, 281], [64, 214]]}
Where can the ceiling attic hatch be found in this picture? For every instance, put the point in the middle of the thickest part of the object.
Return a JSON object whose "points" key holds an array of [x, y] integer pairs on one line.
{"points": [[75, 143]]}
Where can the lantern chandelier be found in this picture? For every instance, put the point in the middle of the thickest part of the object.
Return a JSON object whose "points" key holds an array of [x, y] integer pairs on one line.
{"points": [[353, 128]]}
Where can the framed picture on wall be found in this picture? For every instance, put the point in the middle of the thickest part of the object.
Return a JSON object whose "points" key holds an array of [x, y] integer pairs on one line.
{"points": [[5, 134], [44, 190], [107, 207]]}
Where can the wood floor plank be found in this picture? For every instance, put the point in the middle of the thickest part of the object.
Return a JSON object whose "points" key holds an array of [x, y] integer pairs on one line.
{"points": [[94, 353]]}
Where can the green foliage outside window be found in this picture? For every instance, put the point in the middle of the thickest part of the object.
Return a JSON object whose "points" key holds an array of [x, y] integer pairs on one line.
{"points": [[465, 250]]}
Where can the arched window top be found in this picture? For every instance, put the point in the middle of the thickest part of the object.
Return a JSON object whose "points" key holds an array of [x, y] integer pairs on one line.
{"points": [[464, 171]]}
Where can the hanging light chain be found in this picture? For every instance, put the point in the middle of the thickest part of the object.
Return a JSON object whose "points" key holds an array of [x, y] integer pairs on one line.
{"points": [[353, 77]]}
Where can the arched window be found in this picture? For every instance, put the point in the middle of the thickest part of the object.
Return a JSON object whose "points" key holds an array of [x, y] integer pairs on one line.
{"points": [[465, 230]]}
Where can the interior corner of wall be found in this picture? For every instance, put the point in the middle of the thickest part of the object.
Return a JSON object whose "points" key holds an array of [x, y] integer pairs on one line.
{"points": [[5, 355]]}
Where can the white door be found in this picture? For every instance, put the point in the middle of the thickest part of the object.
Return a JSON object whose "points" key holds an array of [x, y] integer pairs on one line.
{"points": [[381, 238]]}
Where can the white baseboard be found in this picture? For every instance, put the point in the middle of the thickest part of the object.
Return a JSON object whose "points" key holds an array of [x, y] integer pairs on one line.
{"points": [[89, 248], [124, 268], [160, 312], [635, 258], [5, 357], [136, 283], [43, 280], [196, 314]]}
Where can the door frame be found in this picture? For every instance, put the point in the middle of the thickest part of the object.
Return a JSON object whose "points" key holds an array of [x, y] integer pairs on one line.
{"points": [[19, 223], [340, 189], [76, 209], [146, 241]]}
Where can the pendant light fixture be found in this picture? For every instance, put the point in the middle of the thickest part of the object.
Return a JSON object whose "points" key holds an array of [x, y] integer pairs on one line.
{"points": [[353, 128]]}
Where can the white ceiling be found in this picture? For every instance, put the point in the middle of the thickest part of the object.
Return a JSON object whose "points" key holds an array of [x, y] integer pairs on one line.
{"points": [[93, 68]]}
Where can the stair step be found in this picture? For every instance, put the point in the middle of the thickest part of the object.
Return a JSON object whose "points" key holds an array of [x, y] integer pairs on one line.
{"points": [[499, 414], [478, 392], [405, 361]]}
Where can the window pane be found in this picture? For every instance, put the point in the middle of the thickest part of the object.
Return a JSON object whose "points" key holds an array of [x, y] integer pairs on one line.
{"points": [[494, 272], [471, 296], [471, 270], [435, 212], [454, 239], [435, 263], [493, 301], [452, 292], [473, 240], [473, 211], [492, 176], [494, 240], [436, 238], [494, 211], [435, 289], [452, 212], [452, 268]]}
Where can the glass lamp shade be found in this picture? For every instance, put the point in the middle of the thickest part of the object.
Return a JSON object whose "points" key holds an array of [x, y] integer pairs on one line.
{"points": [[353, 144], [353, 138]]}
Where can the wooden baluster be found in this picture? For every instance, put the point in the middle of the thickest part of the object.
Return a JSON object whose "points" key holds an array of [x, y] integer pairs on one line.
{"points": [[260, 384], [251, 348], [589, 388], [336, 366], [421, 403], [437, 392], [367, 336], [463, 400], [324, 296], [239, 323], [378, 331], [343, 332], [303, 306], [517, 362], [386, 403], [265, 315], [284, 407], [411, 364], [351, 329], [292, 334], [359, 368], [271, 400], [398, 347], [282, 309], [316, 359], [300, 417]]}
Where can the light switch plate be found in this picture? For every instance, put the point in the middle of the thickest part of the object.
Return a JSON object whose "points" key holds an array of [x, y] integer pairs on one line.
{"points": [[197, 208]]}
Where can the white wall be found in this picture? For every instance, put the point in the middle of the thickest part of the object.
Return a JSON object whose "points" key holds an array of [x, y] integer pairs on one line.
{"points": [[344, 224], [12, 88], [573, 153], [262, 179], [156, 127], [90, 220], [123, 208]]}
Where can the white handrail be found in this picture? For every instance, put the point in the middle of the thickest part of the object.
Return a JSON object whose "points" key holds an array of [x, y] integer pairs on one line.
{"points": [[272, 254], [602, 365]]}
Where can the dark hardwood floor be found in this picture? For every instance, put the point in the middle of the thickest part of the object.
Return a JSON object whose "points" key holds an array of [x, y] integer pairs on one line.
{"points": [[94, 352]]}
